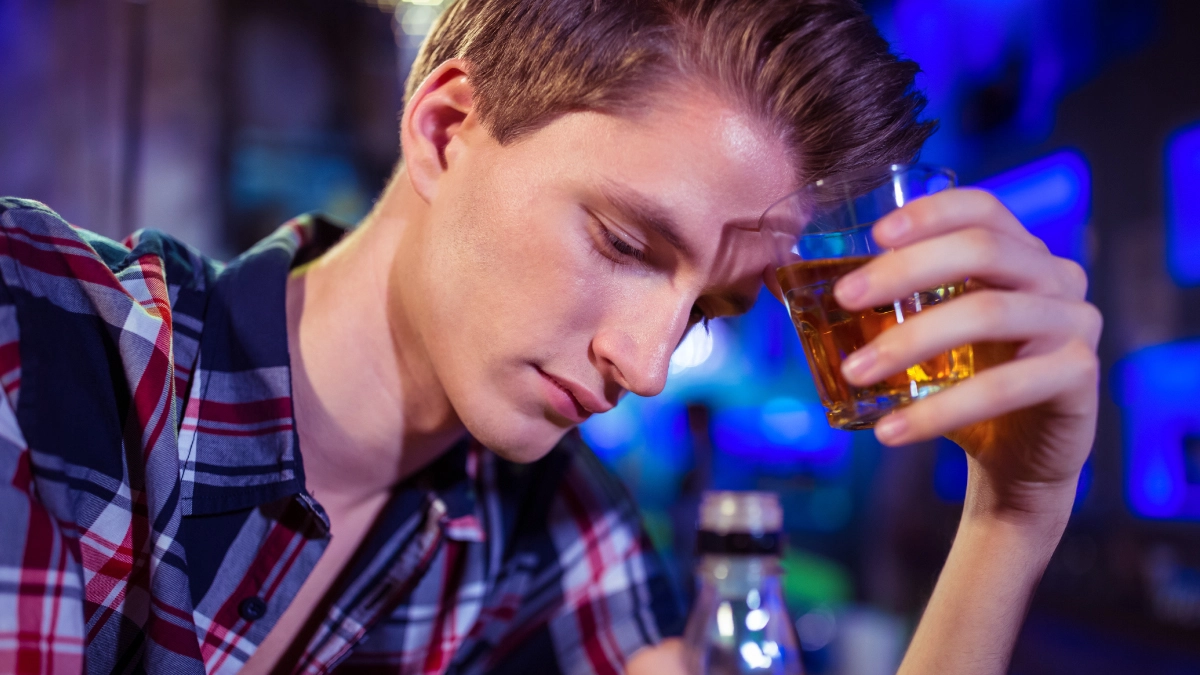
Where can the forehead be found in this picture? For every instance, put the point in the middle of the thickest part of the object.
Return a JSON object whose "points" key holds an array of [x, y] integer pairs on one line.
{"points": [[693, 151], [705, 162]]}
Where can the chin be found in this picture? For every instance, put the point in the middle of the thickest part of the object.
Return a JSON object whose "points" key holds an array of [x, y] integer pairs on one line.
{"points": [[523, 441], [504, 414]]}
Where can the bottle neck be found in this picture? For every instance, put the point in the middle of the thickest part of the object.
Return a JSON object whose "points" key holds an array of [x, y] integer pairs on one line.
{"points": [[736, 575], [743, 543]]}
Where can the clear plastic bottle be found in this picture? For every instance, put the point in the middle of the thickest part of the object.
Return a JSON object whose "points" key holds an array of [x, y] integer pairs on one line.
{"points": [[739, 623]]}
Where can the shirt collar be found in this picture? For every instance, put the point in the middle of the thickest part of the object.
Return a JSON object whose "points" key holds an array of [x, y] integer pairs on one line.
{"points": [[239, 432], [238, 438]]}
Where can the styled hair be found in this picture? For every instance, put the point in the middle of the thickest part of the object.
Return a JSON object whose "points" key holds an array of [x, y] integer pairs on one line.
{"points": [[816, 72]]}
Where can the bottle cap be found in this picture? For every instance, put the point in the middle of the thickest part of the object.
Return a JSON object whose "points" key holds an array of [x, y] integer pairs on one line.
{"points": [[727, 512]]}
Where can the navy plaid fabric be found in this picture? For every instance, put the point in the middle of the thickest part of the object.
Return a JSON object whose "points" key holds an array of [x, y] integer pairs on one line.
{"points": [[152, 490]]}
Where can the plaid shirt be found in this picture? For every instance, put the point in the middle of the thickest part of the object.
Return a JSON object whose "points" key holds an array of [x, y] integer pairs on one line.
{"points": [[154, 511]]}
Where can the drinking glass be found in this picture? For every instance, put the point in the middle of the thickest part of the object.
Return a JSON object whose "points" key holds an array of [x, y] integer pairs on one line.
{"points": [[827, 230]]}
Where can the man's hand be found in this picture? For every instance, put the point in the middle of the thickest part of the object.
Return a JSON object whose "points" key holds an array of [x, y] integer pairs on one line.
{"points": [[664, 658], [1027, 423], [1027, 418]]}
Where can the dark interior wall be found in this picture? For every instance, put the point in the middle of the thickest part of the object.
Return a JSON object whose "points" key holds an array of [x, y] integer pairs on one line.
{"points": [[1122, 120], [310, 101], [63, 68]]}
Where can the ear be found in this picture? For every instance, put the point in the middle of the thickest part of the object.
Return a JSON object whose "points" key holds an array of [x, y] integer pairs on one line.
{"points": [[433, 123]]}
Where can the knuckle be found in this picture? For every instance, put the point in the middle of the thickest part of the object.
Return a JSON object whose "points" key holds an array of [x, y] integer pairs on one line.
{"points": [[1082, 363], [925, 214], [1036, 242], [984, 247], [1093, 324], [996, 208], [992, 209], [1075, 278], [988, 200]]}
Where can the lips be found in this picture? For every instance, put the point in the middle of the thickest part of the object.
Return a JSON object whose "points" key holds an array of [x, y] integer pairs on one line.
{"points": [[571, 400]]}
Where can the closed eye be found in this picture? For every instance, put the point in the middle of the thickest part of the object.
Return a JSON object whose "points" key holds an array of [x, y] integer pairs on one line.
{"points": [[623, 247], [613, 246]]}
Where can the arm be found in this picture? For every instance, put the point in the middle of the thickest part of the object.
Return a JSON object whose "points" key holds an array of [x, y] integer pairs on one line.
{"points": [[972, 620], [1026, 420]]}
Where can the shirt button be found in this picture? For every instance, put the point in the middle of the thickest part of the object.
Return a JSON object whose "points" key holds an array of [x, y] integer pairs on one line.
{"points": [[252, 608]]}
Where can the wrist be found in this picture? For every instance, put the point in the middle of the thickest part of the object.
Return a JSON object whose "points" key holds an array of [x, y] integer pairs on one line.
{"points": [[1029, 539], [1041, 508], [1004, 542]]}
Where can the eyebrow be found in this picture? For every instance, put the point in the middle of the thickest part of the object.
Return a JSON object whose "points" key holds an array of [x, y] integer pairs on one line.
{"points": [[642, 211]]}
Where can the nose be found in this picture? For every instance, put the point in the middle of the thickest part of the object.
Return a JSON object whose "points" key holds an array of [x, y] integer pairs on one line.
{"points": [[634, 346]]}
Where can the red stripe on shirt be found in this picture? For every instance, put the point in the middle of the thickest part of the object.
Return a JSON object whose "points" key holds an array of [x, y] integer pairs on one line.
{"points": [[595, 650], [39, 543], [442, 645], [246, 412], [61, 263]]}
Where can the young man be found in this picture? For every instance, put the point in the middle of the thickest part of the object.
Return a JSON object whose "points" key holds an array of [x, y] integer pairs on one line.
{"points": [[355, 451]]}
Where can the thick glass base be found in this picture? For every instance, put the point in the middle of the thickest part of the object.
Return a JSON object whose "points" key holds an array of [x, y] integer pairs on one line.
{"points": [[864, 411]]}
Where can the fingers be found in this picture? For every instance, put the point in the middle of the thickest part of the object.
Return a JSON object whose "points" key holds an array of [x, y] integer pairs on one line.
{"points": [[1040, 323], [1037, 310], [994, 258], [945, 212], [1058, 375], [957, 234]]}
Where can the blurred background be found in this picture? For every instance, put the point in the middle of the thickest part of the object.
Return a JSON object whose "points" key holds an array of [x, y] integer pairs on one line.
{"points": [[216, 120]]}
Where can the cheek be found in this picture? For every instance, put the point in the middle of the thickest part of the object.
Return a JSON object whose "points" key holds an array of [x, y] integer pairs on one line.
{"points": [[512, 273]]}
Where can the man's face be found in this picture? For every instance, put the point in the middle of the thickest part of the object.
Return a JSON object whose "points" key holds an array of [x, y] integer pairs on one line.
{"points": [[563, 269]]}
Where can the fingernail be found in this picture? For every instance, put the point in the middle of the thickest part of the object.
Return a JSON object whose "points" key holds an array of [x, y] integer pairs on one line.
{"points": [[850, 288], [891, 428], [857, 364], [893, 227]]}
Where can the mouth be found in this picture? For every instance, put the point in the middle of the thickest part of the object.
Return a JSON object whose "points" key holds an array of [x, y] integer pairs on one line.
{"points": [[564, 398]]}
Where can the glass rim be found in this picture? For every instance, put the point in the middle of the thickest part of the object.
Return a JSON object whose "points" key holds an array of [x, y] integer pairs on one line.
{"points": [[885, 169], [892, 170]]}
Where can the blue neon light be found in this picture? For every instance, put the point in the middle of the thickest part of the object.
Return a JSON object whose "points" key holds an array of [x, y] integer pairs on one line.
{"points": [[1158, 388], [784, 429], [1052, 197], [1183, 206], [613, 433], [950, 474]]}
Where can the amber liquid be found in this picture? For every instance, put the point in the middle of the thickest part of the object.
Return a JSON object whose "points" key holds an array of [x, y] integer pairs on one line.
{"points": [[830, 334]]}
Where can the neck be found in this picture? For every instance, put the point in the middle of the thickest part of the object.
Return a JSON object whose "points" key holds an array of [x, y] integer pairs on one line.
{"points": [[369, 409]]}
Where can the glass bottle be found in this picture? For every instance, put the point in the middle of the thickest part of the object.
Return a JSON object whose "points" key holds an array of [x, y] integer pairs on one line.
{"points": [[739, 623]]}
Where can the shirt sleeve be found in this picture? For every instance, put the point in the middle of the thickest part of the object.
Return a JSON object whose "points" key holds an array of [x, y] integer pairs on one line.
{"points": [[41, 607]]}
